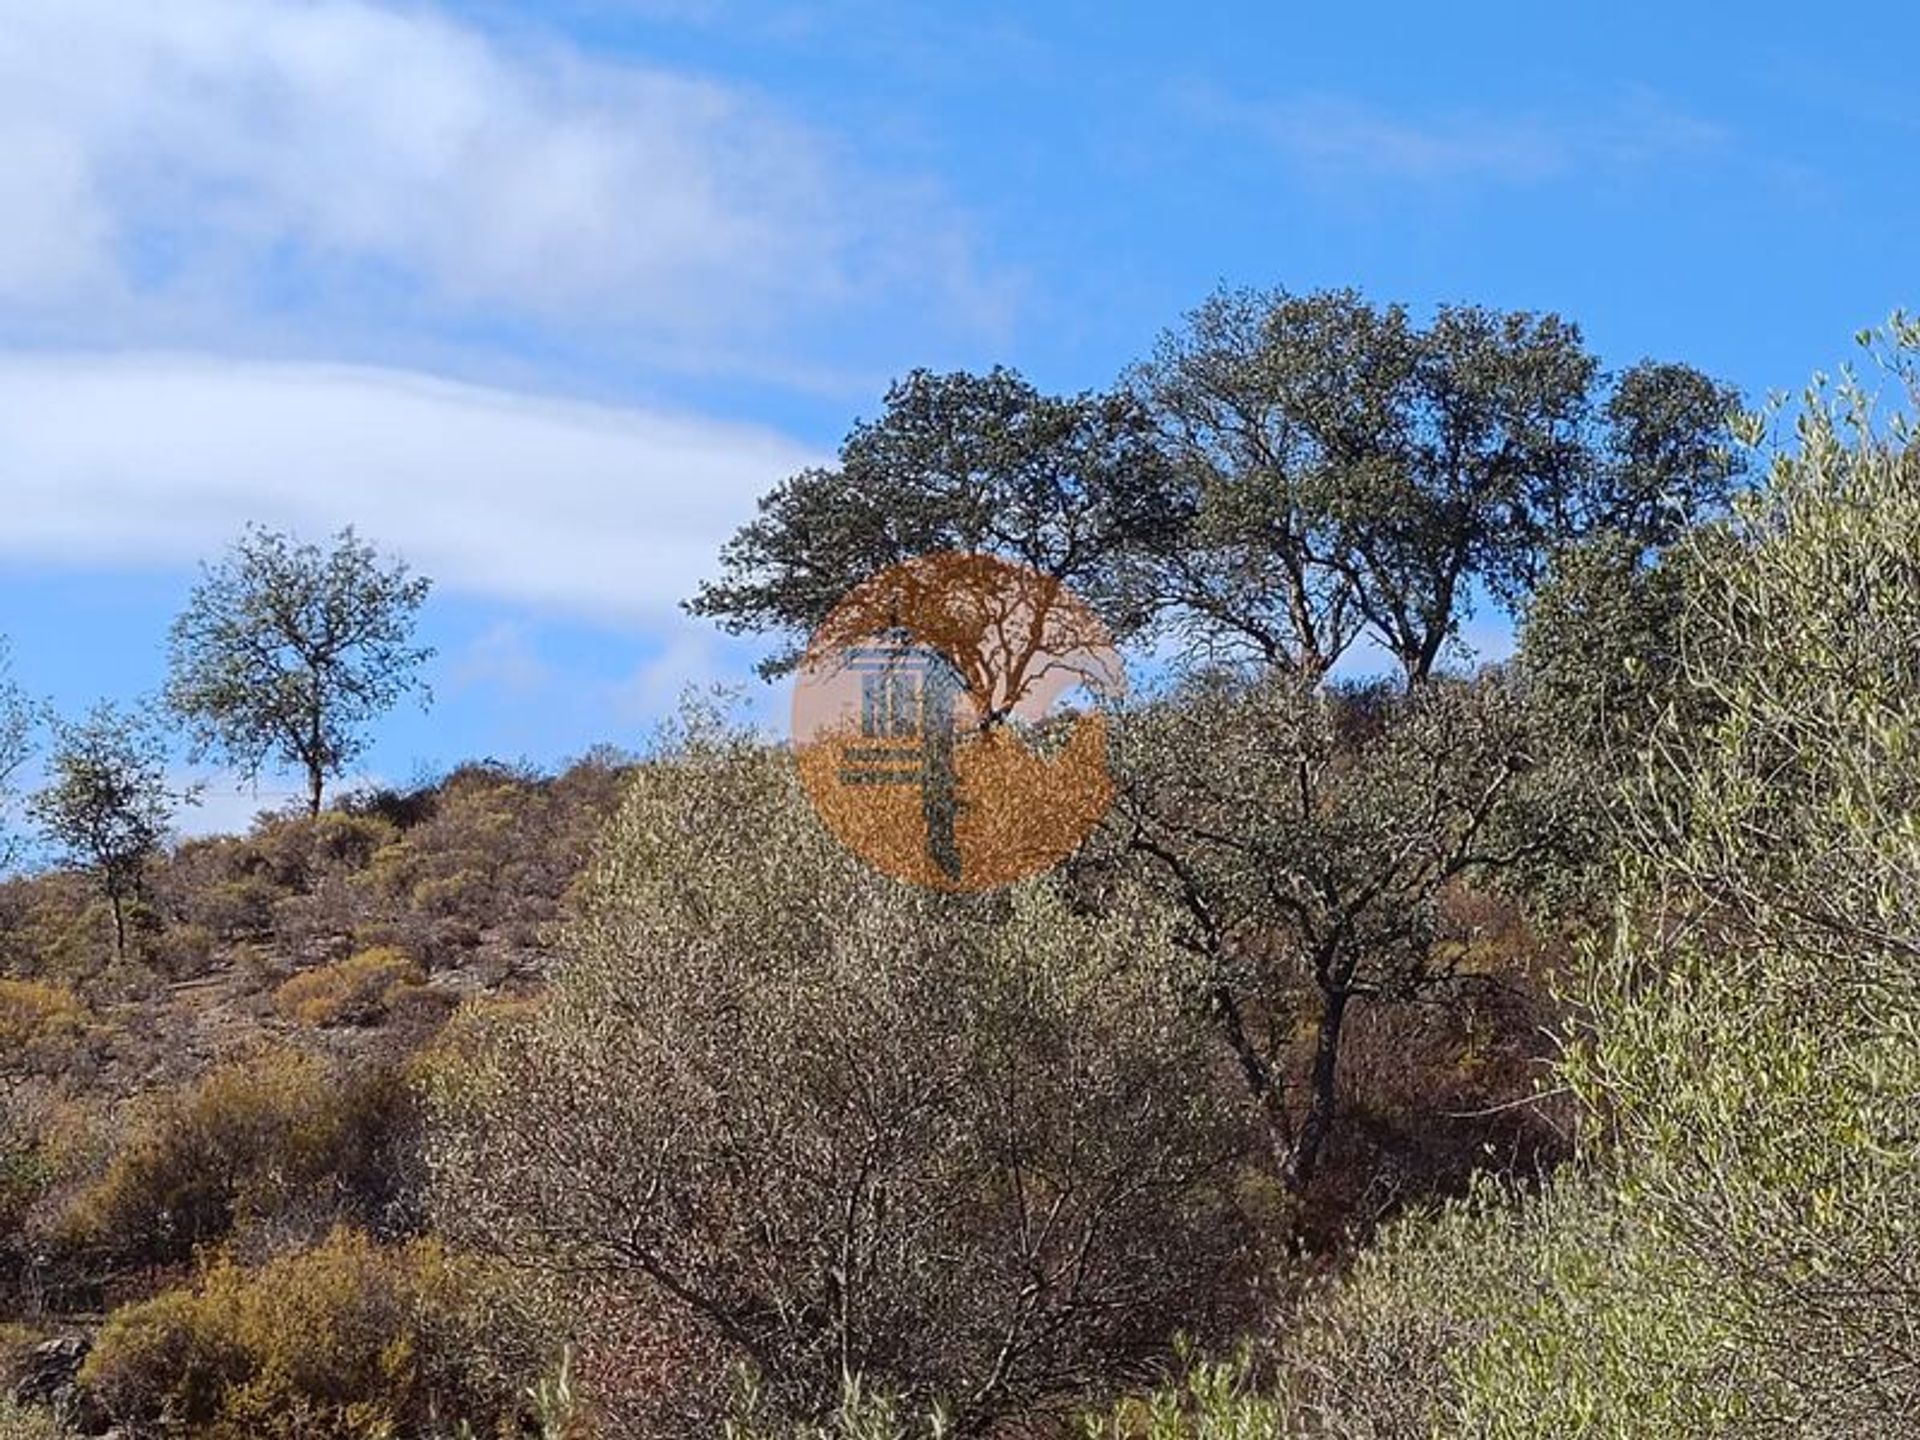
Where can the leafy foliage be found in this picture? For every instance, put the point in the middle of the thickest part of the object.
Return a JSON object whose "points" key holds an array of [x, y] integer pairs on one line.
{"points": [[286, 651], [785, 1149], [354, 991], [1738, 1255], [107, 802], [349, 1341], [1068, 487], [1349, 471], [832, 1124], [276, 1141], [1308, 836]]}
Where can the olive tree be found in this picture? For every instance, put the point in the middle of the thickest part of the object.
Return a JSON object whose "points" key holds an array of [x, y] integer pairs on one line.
{"points": [[833, 1126], [107, 803], [1767, 1094], [286, 651]]}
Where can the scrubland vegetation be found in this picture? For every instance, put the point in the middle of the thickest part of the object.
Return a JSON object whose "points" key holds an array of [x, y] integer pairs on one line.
{"points": [[1527, 1049]]}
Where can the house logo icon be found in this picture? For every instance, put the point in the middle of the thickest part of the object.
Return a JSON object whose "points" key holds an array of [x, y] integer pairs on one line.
{"points": [[948, 721]]}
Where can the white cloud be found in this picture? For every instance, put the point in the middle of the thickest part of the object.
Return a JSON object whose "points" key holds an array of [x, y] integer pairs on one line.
{"points": [[144, 460], [269, 154], [689, 660], [502, 657], [1337, 138]]}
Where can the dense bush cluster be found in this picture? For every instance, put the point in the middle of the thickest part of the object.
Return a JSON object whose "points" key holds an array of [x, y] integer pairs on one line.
{"points": [[966, 1146], [279, 1140], [356, 991]]}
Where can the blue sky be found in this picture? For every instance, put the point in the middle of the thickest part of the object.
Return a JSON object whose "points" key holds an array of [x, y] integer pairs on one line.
{"points": [[543, 295]]}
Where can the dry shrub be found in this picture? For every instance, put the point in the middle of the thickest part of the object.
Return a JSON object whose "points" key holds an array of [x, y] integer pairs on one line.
{"points": [[56, 926], [23, 1172], [488, 855], [356, 991], [180, 952], [291, 879], [296, 851], [217, 884], [241, 908], [25, 1422], [417, 1012], [277, 1142], [36, 1016], [47, 1142], [495, 849], [350, 1339]]}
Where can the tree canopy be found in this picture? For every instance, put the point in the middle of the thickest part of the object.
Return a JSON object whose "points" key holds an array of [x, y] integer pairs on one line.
{"points": [[1286, 474], [1350, 472], [1070, 487], [107, 801], [286, 651]]}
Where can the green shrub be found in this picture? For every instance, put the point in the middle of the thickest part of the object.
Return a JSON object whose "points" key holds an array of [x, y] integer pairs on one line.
{"points": [[862, 1413], [1736, 1255]]}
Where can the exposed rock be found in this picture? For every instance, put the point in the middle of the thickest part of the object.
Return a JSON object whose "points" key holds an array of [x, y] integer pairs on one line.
{"points": [[49, 1377]]}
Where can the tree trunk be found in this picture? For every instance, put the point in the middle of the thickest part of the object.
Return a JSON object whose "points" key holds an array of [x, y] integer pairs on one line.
{"points": [[1322, 1095], [316, 756], [119, 925], [1259, 1075]]}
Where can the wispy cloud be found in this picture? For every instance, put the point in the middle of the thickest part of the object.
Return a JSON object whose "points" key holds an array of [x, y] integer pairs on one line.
{"points": [[502, 657], [142, 460], [1338, 139], [270, 155], [690, 658]]}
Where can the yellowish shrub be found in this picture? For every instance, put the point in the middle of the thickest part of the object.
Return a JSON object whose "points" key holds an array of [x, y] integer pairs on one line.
{"points": [[350, 1339], [30, 1009], [37, 1019], [24, 1422], [16, 1339], [56, 925], [355, 991], [273, 1135], [296, 850]]}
